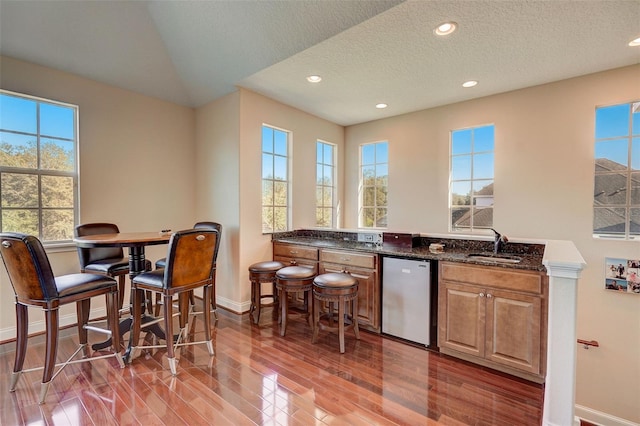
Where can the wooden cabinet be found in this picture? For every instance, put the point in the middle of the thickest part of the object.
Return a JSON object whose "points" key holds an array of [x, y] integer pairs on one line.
{"points": [[363, 267], [493, 316], [296, 255]]}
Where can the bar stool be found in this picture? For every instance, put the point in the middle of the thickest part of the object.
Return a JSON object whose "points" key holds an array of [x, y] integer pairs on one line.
{"points": [[294, 279], [335, 288], [262, 272]]}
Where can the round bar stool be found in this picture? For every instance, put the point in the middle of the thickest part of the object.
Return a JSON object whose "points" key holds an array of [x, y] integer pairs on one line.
{"points": [[332, 288], [262, 272], [294, 279]]}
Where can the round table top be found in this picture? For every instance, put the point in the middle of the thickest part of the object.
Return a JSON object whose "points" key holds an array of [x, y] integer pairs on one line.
{"points": [[123, 239]]}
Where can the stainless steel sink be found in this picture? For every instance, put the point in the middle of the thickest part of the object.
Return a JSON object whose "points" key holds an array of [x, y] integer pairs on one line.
{"points": [[496, 258]]}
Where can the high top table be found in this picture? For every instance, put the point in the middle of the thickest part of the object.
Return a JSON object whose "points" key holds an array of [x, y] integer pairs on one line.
{"points": [[136, 243]]}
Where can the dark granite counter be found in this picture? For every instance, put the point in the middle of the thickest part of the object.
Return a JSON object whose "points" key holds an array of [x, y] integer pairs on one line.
{"points": [[456, 250]]}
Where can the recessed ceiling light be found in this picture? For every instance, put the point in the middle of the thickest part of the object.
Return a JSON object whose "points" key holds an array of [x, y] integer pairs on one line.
{"points": [[469, 83], [381, 106], [635, 42], [314, 79], [445, 28]]}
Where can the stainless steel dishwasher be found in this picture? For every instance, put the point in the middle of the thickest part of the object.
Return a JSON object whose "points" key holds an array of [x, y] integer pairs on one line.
{"points": [[406, 299]]}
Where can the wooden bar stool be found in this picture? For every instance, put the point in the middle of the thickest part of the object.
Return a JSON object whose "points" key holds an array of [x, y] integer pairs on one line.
{"points": [[262, 272], [335, 288], [294, 279]]}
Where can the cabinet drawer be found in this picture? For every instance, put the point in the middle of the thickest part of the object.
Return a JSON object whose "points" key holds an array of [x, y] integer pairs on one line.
{"points": [[493, 277], [361, 260], [300, 252]]}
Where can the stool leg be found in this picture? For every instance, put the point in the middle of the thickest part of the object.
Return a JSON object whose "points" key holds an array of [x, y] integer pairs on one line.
{"points": [[316, 319], [341, 304], [309, 298], [284, 305], [354, 318], [257, 300]]}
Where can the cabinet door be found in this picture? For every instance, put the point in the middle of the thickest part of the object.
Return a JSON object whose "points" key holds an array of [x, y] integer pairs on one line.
{"points": [[368, 293], [513, 330], [461, 318]]}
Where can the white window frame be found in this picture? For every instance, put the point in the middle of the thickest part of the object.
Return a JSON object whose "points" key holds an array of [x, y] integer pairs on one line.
{"points": [[321, 187], [476, 202], [41, 173], [275, 159], [626, 173], [380, 221]]}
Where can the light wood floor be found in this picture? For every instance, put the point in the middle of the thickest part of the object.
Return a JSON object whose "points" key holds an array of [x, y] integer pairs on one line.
{"points": [[258, 377]]}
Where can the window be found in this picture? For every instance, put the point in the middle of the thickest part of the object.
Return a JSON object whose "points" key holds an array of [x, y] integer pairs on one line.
{"points": [[374, 180], [325, 184], [275, 180], [38, 166], [616, 199], [471, 178]]}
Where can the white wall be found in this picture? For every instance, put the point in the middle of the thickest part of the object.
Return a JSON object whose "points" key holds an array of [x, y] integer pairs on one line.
{"points": [[136, 163], [544, 162]]}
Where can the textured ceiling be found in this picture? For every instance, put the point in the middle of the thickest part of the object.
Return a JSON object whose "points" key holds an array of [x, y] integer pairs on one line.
{"points": [[192, 52]]}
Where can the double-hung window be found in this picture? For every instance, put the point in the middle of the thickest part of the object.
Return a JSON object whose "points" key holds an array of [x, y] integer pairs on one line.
{"points": [[616, 197], [374, 179], [325, 184], [471, 178], [38, 167], [275, 179]]}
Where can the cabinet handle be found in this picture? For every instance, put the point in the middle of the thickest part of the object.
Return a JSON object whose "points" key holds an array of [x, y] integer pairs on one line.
{"points": [[293, 262], [489, 296], [346, 259], [481, 294], [293, 252]]}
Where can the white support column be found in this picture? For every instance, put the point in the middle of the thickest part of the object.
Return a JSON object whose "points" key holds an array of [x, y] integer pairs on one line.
{"points": [[564, 264]]}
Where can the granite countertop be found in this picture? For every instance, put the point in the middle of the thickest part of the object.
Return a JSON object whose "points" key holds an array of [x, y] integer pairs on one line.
{"points": [[455, 250]]}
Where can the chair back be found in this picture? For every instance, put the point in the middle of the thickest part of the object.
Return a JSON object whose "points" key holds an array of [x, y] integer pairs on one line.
{"points": [[28, 267], [91, 255], [211, 225], [191, 257]]}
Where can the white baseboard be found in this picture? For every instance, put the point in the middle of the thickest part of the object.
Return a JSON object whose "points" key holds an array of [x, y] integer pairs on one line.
{"points": [[232, 305], [10, 333], [600, 418]]}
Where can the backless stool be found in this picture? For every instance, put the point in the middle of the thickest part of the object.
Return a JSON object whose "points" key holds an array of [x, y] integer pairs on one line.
{"points": [[294, 279], [263, 272], [333, 288]]}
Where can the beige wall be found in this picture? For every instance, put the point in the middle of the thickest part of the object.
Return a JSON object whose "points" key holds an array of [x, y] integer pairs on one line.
{"points": [[543, 190], [136, 163]]}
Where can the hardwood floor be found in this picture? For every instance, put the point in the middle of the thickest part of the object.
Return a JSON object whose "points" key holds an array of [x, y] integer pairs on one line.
{"points": [[258, 377]]}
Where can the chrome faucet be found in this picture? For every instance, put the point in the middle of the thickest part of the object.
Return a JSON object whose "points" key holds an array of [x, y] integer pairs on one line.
{"points": [[498, 241]]}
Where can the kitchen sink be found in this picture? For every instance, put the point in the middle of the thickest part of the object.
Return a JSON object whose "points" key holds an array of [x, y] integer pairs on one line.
{"points": [[497, 258]]}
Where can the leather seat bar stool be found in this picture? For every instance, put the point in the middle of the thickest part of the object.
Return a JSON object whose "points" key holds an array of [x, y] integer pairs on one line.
{"points": [[341, 289], [294, 279], [162, 263], [35, 285], [263, 272]]}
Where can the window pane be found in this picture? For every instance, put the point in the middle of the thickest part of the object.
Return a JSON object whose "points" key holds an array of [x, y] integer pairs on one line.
{"points": [[56, 155], [267, 166], [381, 217], [461, 167], [612, 155], [635, 188], [635, 154], [381, 196], [18, 114], [609, 221], [267, 219], [319, 174], [280, 142], [280, 219], [483, 217], [19, 190], [483, 138], [368, 198], [610, 189], [483, 166], [267, 192], [57, 191], [57, 224], [612, 121], [22, 220], [460, 218], [319, 152], [635, 221], [483, 202], [461, 142], [635, 118], [368, 175], [368, 154], [483, 187], [280, 194], [56, 120], [267, 139], [319, 196], [461, 193], [368, 217], [382, 153], [328, 175], [280, 168], [18, 151], [328, 154]]}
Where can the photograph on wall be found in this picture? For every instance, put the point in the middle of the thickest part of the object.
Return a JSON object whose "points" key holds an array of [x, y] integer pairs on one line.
{"points": [[622, 275]]}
